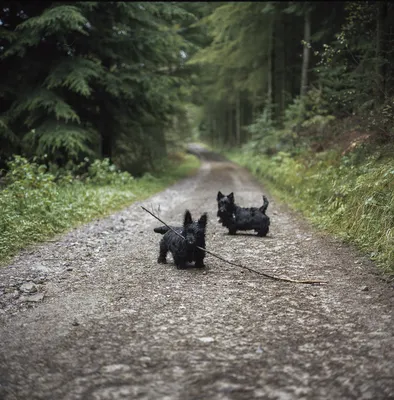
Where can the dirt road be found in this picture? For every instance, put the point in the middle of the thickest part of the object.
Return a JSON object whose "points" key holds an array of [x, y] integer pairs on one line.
{"points": [[114, 324]]}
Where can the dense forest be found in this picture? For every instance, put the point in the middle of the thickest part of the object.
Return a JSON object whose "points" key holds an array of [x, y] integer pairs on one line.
{"points": [[92, 79], [304, 89], [125, 80]]}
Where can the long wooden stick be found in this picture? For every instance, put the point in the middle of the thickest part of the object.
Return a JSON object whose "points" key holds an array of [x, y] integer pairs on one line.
{"points": [[277, 278]]}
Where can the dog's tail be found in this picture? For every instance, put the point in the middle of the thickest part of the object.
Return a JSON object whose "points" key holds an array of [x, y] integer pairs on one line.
{"points": [[162, 229], [264, 207]]}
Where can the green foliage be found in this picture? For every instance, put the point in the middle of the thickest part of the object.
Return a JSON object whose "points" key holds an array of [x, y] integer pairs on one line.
{"points": [[74, 74], [352, 199], [104, 173], [265, 135], [307, 113], [54, 20], [311, 111], [52, 138], [115, 68], [39, 202]]}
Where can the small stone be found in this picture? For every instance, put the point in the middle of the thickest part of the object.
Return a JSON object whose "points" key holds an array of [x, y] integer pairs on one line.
{"points": [[40, 280], [28, 287], [41, 268], [204, 272], [69, 269], [75, 323], [365, 289], [35, 298], [206, 339]]}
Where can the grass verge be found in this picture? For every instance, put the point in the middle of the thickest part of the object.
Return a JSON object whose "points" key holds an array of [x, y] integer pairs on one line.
{"points": [[349, 196], [35, 207]]}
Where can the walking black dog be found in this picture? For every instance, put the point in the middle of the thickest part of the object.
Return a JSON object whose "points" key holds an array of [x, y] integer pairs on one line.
{"points": [[236, 218], [184, 250]]}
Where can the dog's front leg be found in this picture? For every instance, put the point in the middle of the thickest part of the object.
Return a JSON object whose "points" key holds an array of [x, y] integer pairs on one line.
{"points": [[180, 262], [199, 259], [163, 253]]}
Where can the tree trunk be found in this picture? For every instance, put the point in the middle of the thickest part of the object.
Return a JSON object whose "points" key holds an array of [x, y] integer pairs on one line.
{"points": [[229, 140], [270, 64], [254, 101], [306, 53], [214, 128], [238, 119], [106, 146], [106, 136], [380, 51], [279, 76]]}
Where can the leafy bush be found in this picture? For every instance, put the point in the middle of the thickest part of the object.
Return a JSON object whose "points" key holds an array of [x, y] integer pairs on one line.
{"points": [[102, 172]]}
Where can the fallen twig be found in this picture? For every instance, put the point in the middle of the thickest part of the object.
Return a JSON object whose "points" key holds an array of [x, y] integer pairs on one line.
{"points": [[277, 278]]}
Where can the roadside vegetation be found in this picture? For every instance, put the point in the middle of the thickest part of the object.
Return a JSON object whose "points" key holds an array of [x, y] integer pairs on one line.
{"points": [[350, 196], [39, 202]]}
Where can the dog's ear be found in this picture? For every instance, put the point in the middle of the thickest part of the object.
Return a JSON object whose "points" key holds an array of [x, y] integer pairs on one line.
{"points": [[188, 218], [203, 220], [231, 197], [219, 196]]}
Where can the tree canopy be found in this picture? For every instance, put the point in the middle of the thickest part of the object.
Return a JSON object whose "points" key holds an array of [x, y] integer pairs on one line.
{"points": [[124, 79]]}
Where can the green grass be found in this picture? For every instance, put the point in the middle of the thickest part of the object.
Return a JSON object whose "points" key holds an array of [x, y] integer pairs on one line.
{"points": [[351, 197], [34, 208]]}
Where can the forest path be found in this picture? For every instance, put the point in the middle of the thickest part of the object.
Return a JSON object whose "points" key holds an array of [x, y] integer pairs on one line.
{"points": [[114, 324]]}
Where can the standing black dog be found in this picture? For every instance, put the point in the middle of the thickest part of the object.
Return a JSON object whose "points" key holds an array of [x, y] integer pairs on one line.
{"points": [[237, 218], [184, 250]]}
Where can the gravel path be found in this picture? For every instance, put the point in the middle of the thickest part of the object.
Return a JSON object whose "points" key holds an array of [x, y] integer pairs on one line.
{"points": [[91, 315]]}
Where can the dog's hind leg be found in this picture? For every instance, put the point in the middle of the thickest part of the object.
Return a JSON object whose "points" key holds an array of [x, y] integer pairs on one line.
{"points": [[262, 233], [163, 253], [263, 230], [232, 230]]}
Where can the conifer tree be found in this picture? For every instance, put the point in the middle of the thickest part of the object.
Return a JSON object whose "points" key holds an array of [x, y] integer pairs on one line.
{"points": [[91, 78]]}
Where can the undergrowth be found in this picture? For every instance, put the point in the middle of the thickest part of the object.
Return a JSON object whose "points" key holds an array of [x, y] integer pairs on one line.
{"points": [[351, 196], [38, 202]]}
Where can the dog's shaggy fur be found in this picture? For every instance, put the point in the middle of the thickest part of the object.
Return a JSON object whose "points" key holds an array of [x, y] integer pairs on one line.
{"points": [[236, 218], [184, 250]]}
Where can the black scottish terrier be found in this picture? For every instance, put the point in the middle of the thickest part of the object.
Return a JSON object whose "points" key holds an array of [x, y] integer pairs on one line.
{"points": [[237, 218], [184, 250]]}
